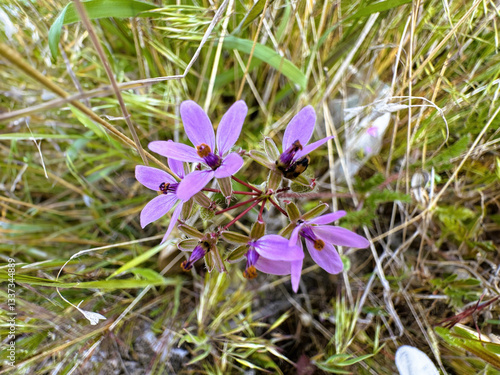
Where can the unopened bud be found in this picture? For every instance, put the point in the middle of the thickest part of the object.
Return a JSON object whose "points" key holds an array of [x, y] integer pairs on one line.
{"points": [[258, 230], [316, 211], [271, 150], [190, 231], [292, 211], [235, 238]]}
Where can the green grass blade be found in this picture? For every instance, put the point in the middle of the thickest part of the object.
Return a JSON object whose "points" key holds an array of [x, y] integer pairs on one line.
{"points": [[269, 56], [138, 260], [96, 9]]}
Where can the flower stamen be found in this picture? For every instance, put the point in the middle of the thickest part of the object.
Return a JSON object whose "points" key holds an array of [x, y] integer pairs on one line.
{"points": [[212, 160], [250, 273], [319, 244], [166, 187]]}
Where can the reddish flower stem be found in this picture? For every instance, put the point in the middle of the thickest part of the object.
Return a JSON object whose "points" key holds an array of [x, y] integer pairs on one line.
{"points": [[262, 205], [246, 184], [236, 205], [278, 207], [242, 214], [246, 193]]}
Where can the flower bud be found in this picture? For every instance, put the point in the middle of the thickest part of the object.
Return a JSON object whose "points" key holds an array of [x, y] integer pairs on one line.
{"points": [[292, 211], [237, 254], [188, 244], [316, 211], [235, 238], [186, 209], [261, 158], [258, 230], [190, 231], [202, 200], [271, 150], [274, 180], [226, 187]]}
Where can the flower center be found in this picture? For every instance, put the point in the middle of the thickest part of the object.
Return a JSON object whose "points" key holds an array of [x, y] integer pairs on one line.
{"points": [[308, 234], [212, 160], [286, 164], [252, 257], [199, 252], [250, 273], [286, 158], [166, 187]]}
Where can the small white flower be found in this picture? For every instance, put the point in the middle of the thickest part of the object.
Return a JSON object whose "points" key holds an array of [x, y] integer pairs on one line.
{"points": [[92, 317]]}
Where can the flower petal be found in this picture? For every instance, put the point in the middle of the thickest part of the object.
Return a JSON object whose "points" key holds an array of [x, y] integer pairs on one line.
{"points": [[230, 126], [193, 183], [177, 167], [174, 150], [328, 258], [156, 208], [275, 247], [173, 221], [309, 148], [300, 128], [340, 236], [273, 267], [295, 235], [152, 177], [328, 218], [197, 125], [230, 165], [296, 272]]}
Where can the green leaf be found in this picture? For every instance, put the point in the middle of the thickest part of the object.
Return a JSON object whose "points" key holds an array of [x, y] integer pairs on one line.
{"points": [[55, 32], [381, 6], [95, 127], [256, 10], [363, 12], [269, 56], [103, 284], [138, 260], [96, 9]]}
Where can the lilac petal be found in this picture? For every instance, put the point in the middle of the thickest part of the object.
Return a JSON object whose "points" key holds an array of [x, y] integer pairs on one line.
{"points": [[296, 272], [193, 183], [340, 236], [300, 128], [313, 146], [152, 177], [173, 221], [273, 267], [197, 125], [328, 258], [230, 126], [230, 165], [328, 218], [295, 235], [174, 150], [275, 247], [156, 208], [177, 167]]}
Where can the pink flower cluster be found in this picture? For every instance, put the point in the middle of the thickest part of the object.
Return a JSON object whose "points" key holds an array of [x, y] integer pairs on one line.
{"points": [[211, 157]]}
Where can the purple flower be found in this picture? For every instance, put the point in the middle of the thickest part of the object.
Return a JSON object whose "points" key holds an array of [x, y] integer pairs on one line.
{"points": [[274, 255], [167, 186], [199, 252], [320, 239], [200, 132], [294, 160]]}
